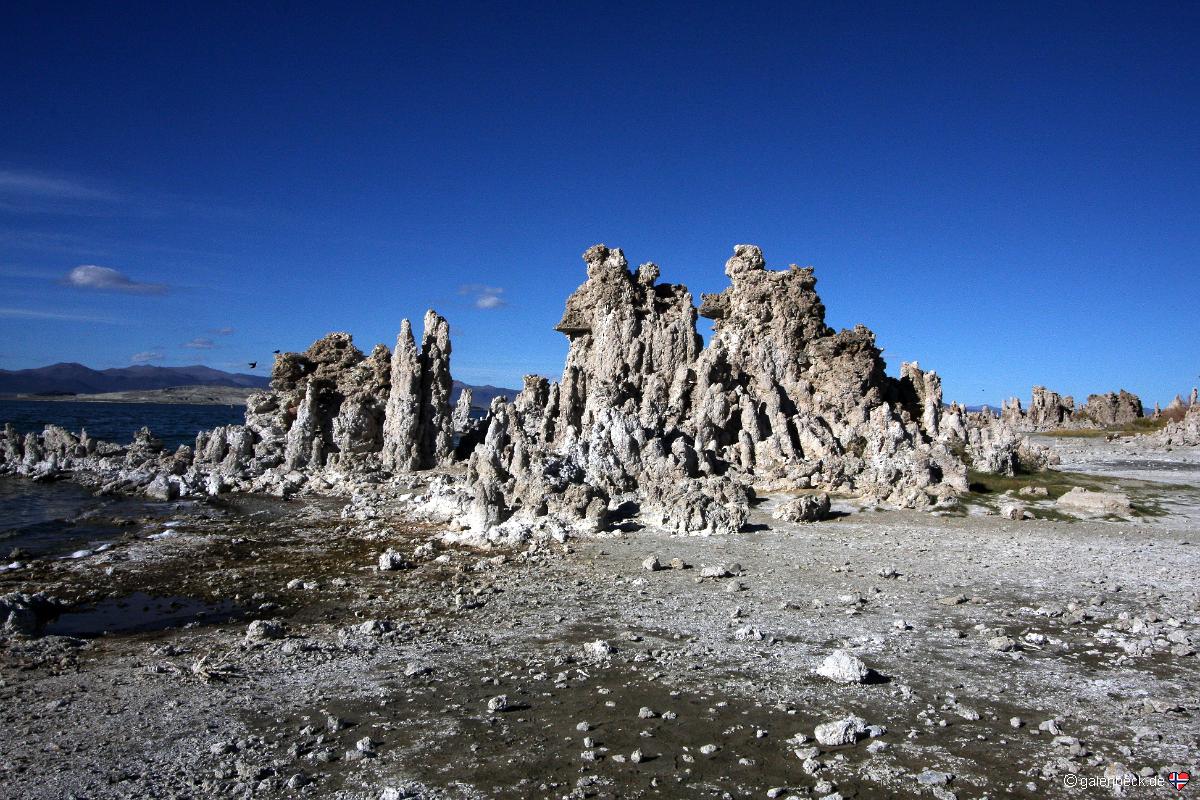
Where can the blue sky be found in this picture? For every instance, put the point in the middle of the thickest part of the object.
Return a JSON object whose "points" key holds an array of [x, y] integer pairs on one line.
{"points": [[1010, 195]]}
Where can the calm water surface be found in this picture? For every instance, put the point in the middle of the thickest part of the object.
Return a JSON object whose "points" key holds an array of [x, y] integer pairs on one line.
{"points": [[174, 423], [44, 519]]}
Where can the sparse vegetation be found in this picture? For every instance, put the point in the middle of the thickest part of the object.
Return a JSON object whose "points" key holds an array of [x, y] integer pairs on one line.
{"points": [[1078, 433], [1139, 425], [1148, 508], [1056, 483], [1169, 414]]}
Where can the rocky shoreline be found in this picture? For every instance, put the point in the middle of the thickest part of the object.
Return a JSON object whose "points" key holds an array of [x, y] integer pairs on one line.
{"points": [[623, 664]]}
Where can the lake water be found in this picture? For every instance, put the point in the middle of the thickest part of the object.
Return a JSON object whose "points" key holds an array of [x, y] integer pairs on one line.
{"points": [[48, 519], [174, 423], [39, 519]]}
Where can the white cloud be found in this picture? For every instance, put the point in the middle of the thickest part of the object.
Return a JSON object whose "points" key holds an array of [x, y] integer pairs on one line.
{"points": [[225, 331], [146, 356], [8, 271], [484, 296], [106, 279], [29, 313], [17, 183], [201, 343]]}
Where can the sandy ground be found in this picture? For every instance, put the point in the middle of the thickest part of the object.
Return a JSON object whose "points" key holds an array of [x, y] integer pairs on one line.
{"points": [[1022, 659], [1123, 458]]}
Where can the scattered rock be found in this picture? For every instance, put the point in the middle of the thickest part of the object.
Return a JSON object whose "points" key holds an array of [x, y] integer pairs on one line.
{"points": [[841, 732], [1002, 644], [805, 508], [265, 629], [1080, 499], [842, 667], [392, 560]]}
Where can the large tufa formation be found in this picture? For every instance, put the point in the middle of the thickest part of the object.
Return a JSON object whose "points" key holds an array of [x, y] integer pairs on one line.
{"points": [[1113, 409], [1049, 411], [644, 412], [1183, 423], [644, 421], [331, 406], [1182, 432]]}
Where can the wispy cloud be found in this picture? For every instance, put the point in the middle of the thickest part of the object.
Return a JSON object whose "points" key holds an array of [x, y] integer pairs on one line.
{"points": [[106, 279], [201, 343], [18, 183], [484, 296], [225, 331], [10, 271], [146, 356], [30, 313]]}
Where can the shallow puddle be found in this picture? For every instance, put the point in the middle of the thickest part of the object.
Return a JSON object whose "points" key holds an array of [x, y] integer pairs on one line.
{"points": [[140, 613]]}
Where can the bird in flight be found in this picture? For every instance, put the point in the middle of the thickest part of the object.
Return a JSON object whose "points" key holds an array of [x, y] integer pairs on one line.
{"points": [[276, 352], [253, 364]]}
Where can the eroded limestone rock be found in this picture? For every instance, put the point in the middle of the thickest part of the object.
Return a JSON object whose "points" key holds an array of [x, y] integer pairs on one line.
{"points": [[1089, 502], [644, 410], [805, 508], [1112, 409]]}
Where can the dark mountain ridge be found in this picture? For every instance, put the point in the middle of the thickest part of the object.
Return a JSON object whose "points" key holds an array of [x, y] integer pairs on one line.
{"points": [[72, 378], [69, 378]]}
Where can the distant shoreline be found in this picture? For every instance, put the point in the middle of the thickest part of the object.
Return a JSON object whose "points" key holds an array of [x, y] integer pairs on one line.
{"points": [[181, 395]]}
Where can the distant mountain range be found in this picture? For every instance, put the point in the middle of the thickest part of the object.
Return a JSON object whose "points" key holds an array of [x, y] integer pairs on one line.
{"points": [[71, 378], [481, 396]]}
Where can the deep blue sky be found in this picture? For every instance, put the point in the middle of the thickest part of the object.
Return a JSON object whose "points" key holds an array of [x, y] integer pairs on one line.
{"points": [[1011, 196]]}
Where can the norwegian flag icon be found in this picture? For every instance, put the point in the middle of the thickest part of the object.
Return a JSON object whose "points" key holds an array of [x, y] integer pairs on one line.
{"points": [[1179, 780]]}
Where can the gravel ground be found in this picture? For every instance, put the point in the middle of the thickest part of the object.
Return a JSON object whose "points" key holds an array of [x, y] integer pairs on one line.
{"points": [[1029, 658]]}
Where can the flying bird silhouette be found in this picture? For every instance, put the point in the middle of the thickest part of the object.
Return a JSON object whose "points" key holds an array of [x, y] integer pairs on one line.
{"points": [[253, 364]]}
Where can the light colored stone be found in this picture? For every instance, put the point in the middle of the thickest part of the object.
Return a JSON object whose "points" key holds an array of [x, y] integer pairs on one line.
{"points": [[1101, 503], [843, 667], [840, 732]]}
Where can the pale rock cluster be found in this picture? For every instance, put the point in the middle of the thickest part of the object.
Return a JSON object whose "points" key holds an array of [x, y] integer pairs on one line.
{"points": [[332, 415], [994, 445], [1184, 432], [645, 414], [1113, 408], [1049, 411]]}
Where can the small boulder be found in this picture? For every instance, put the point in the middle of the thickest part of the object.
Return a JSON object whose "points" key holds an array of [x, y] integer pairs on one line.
{"points": [[1002, 644], [1080, 499], [262, 630], [841, 732], [805, 508], [163, 488], [598, 649], [390, 560], [842, 667], [1013, 510]]}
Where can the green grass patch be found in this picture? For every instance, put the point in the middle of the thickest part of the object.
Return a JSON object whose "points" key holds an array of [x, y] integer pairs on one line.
{"points": [[1056, 483], [1139, 425], [1078, 433], [1148, 508], [1053, 515]]}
